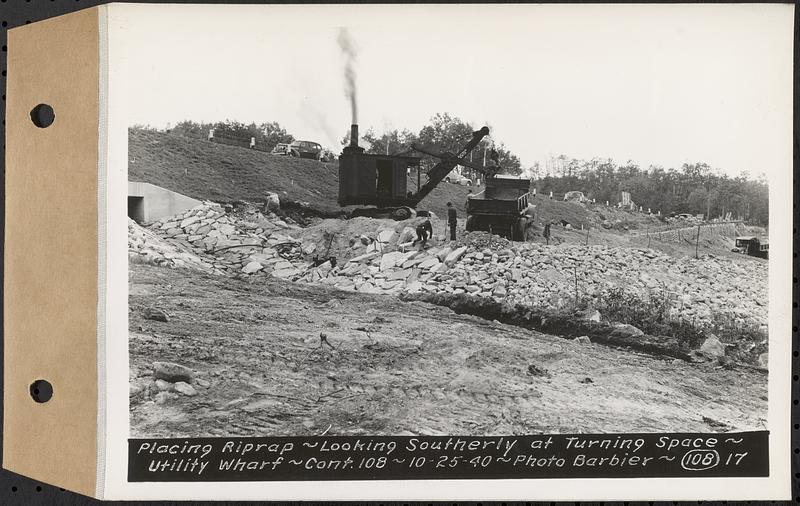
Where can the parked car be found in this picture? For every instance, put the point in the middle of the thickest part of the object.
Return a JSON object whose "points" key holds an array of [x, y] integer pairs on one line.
{"points": [[456, 178], [575, 196], [305, 149], [280, 149]]}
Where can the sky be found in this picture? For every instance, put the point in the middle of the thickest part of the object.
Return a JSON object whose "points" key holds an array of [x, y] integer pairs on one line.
{"points": [[655, 84]]}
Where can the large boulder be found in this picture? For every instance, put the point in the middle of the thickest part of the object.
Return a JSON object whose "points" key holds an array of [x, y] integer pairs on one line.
{"points": [[712, 347], [272, 201], [188, 221], [626, 331], [385, 236], [172, 372], [455, 255], [392, 259], [364, 258], [226, 229], [285, 272], [252, 267], [428, 263], [157, 314], [185, 389], [408, 234]]}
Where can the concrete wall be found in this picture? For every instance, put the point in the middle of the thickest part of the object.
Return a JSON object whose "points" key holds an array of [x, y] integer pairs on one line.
{"points": [[156, 202]]}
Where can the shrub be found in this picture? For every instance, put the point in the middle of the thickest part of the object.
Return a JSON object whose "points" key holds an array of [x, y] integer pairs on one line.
{"points": [[653, 314]]}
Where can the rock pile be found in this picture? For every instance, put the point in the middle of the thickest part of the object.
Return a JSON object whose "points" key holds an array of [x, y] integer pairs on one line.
{"points": [[382, 260], [538, 275], [219, 242], [165, 381], [145, 246]]}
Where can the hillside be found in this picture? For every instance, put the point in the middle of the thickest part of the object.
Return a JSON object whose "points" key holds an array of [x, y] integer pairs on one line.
{"points": [[208, 171]]}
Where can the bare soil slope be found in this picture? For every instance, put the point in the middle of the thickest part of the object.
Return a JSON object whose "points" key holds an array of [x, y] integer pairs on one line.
{"points": [[221, 173], [396, 367]]}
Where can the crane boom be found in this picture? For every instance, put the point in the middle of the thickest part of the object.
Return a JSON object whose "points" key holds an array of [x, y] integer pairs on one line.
{"points": [[448, 162]]}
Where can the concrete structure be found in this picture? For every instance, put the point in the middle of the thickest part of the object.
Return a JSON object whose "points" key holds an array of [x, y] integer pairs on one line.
{"points": [[148, 202]]}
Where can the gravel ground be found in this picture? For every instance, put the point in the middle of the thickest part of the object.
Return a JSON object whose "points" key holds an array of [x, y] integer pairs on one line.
{"points": [[393, 367]]}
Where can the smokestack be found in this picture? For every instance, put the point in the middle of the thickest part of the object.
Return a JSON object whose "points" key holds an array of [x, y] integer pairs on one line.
{"points": [[353, 148]]}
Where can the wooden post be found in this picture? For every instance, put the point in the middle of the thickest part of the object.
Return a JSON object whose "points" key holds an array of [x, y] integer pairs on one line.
{"points": [[587, 236], [648, 236], [575, 271], [697, 242]]}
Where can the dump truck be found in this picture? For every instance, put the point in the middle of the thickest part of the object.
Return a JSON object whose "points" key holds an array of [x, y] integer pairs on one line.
{"points": [[752, 246], [501, 208]]}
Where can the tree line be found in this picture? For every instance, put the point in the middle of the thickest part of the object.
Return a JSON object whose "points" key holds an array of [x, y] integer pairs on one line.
{"points": [[444, 133], [694, 188]]}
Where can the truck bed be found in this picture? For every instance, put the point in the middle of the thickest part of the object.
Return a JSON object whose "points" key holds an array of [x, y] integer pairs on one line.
{"points": [[479, 205]]}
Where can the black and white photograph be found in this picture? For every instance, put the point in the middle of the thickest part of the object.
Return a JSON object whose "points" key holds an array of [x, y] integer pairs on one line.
{"points": [[400, 252], [478, 222]]}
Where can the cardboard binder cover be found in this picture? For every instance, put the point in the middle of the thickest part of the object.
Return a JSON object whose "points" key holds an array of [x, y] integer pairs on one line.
{"points": [[51, 251]]}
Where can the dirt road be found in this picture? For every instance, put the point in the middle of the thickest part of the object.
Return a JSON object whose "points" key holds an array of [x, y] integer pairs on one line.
{"points": [[395, 367]]}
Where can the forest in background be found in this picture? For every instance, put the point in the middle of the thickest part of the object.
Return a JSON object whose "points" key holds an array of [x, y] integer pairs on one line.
{"points": [[695, 188]]}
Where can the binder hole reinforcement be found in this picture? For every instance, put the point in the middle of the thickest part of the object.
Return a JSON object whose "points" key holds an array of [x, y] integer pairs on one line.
{"points": [[43, 115], [41, 391]]}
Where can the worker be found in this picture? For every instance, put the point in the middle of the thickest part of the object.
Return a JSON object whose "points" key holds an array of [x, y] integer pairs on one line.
{"points": [[452, 220], [529, 213], [424, 232], [546, 232]]}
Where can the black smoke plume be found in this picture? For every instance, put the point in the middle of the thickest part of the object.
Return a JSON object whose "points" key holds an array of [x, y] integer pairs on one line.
{"points": [[349, 52]]}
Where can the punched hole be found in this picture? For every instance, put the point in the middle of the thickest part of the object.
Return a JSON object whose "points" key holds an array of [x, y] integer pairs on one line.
{"points": [[43, 115], [41, 390]]}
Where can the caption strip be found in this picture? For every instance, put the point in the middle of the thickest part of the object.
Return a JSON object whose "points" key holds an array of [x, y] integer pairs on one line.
{"points": [[449, 457]]}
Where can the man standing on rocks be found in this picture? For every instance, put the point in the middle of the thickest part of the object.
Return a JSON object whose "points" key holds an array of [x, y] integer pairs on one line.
{"points": [[452, 220]]}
